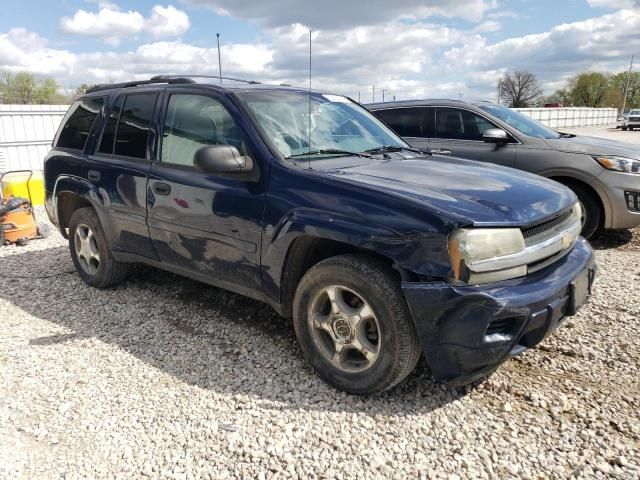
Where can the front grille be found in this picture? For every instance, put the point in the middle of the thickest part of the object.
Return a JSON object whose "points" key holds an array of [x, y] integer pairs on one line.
{"points": [[633, 200], [544, 226], [634, 119]]}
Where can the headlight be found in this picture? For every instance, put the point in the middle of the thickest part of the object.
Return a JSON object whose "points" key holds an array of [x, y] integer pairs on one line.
{"points": [[618, 164], [469, 245]]}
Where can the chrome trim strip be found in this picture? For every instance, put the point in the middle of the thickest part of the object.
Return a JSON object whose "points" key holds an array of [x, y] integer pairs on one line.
{"points": [[563, 240]]}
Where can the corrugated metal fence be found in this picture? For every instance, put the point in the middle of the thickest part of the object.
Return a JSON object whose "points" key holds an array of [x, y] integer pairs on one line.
{"points": [[26, 133], [572, 117]]}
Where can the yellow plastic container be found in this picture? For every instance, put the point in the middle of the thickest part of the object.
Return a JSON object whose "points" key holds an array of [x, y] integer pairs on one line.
{"points": [[25, 184]]}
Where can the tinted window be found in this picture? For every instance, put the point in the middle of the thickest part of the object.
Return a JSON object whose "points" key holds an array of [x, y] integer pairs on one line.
{"points": [[133, 126], [408, 122], [460, 124], [109, 133], [194, 121], [78, 123]]}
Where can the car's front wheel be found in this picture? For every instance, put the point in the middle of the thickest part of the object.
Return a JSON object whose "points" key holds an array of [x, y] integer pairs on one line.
{"points": [[354, 326], [90, 252]]}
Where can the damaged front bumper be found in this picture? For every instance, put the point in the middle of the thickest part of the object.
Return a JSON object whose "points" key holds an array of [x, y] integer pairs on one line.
{"points": [[467, 331]]}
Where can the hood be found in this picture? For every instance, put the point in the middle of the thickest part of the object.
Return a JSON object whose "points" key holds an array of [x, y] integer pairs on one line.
{"points": [[594, 146], [473, 192]]}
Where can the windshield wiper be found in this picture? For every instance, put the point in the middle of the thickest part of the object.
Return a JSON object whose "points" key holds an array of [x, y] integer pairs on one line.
{"points": [[391, 148], [330, 151]]}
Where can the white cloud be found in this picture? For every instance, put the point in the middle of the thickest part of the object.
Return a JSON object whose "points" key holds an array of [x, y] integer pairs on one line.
{"points": [[112, 24], [614, 4], [339, 14], [167, 22], [408, 59]]}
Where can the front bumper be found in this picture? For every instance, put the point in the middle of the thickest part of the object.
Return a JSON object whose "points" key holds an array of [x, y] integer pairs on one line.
{"points": [[468, 331], [618, 186]]}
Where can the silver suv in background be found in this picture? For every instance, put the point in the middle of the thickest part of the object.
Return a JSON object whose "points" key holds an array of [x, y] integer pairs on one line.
{"points": [[631, 120], [604, 174]]}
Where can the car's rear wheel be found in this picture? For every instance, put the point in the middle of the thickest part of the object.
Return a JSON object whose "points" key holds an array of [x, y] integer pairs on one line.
{"points": [[592, 215], [624, 128], [90, 252], [353, 324]]}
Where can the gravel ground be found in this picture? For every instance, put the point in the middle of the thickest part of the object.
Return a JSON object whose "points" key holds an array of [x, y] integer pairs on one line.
{"points": [[165, 377]]}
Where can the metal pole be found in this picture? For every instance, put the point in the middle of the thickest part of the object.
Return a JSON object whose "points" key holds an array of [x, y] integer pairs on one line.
{"points": [[383, 94], [626, 89], [373, 94], [394, 98], [359, 96], [219, 61]]}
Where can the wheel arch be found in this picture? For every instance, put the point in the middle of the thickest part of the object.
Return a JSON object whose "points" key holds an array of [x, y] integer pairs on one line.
{"points": [[600, 198]]}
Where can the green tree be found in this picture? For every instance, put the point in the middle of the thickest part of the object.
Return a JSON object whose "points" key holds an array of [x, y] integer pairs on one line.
{"points": [[26, 88], [617, 85], [589, 89]]}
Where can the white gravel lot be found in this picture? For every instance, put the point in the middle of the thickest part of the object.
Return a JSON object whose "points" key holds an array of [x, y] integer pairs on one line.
{"points": [[165, 377]]}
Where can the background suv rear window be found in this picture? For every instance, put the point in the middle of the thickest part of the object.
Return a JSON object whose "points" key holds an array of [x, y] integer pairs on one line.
{"points": [[79, 121], [133, 126]]}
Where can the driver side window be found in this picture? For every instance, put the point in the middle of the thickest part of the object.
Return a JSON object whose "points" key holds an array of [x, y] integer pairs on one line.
{"points": [[195, 121]]}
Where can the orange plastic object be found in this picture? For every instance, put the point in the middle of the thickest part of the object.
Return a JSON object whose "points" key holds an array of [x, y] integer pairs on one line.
{"points": [[18, 224]]}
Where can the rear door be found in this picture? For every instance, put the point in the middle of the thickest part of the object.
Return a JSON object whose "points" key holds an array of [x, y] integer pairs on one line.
{"points": [[414, 124], [458, 132], [119, 168], [198, 222]]}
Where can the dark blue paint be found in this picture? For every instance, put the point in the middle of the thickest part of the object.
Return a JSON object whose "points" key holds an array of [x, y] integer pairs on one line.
{"points": [[237, 234]]}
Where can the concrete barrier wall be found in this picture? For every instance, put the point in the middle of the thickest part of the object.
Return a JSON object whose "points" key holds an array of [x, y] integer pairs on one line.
{"points": [[570, 117], [26, 133]]}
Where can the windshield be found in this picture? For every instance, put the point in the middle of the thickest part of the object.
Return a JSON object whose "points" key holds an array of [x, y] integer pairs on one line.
{"points": [[520, 122], [338, 125], [634, 112]]}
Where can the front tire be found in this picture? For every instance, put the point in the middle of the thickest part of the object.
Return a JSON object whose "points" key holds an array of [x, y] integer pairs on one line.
{"points": [[592, 211], [353, 324], [90, 252]]}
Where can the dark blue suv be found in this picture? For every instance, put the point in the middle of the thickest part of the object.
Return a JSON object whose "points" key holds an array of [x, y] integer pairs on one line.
{"points": [[304, 200]]}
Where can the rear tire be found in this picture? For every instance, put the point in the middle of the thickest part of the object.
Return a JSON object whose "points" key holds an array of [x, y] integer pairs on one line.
{"points": [[361, 337], [592, 210], [90, 252], [624, 128]]}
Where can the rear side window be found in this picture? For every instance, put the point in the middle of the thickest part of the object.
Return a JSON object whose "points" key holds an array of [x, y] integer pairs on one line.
{"points": [[109, 134], [127, 128], [78, 123], [459, 124], [409, 122]]}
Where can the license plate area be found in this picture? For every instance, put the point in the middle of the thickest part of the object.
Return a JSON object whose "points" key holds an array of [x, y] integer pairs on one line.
{"points": [[579, 290]]}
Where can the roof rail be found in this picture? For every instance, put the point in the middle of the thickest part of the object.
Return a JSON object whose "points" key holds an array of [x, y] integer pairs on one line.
{"points": [[164, 78], [111, 86]]}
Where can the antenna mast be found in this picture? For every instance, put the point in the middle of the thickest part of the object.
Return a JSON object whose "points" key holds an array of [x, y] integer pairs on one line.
{"points": [[309, 119], [219, 61]]}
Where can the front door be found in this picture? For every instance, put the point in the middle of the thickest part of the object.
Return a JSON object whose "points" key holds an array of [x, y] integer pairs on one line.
{"points": [[458, 132], [207, 225]]}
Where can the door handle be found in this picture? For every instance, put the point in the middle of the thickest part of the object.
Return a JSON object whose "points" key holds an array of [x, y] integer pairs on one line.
{"points": [[440, 151], [93, 175], [162, 188]]}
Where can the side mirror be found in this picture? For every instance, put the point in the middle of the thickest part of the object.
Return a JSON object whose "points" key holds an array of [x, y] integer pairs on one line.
{"points": [[225, 161], [495, 135]]}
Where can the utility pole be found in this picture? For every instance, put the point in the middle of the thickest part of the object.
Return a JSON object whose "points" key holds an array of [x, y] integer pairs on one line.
{"points": [[358, 96], [373, 94], [394, 98], [219, 61], [626, 89], [383, 94]]}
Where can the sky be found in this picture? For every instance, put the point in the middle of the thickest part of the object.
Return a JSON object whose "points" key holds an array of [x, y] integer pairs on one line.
{"points": [[408, 48]]}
